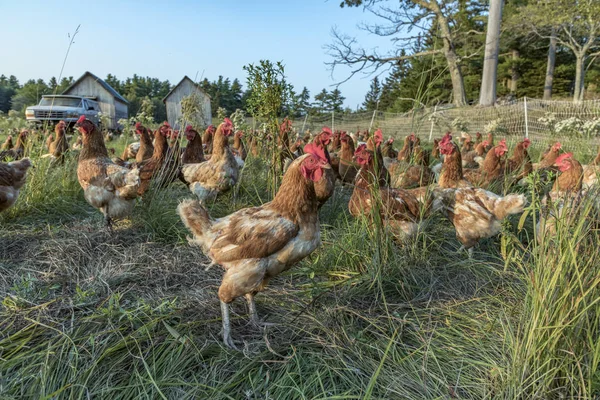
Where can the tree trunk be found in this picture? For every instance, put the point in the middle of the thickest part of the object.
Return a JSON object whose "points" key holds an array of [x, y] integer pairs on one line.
{"points": [[487, 95], [579, 74], [458, 86], [550, 66], [514, 73]]}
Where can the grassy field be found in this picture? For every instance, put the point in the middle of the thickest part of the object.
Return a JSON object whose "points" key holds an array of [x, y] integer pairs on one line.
{"points": [[135, 315]]}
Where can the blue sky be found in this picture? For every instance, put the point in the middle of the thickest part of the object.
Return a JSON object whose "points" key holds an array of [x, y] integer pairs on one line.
{"points": [[168, 40]]}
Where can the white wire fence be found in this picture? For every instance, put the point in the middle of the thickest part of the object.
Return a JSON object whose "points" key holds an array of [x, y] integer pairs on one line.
{"points": [[575, 125]]}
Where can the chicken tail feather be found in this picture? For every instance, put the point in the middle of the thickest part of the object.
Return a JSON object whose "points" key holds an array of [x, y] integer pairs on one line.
{"points": [[195, 217], [509, 205]]}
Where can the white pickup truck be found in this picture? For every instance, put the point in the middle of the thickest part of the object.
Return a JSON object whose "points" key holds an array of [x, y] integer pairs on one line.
{"points": [[54, 108]]}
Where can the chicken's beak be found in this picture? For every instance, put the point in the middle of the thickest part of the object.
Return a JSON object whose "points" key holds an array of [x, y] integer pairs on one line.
{"points": [[327, 166]]}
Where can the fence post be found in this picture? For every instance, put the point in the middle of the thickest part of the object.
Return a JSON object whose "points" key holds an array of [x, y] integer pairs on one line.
{"points": [[431, 129], [526, 119], [332, 121], [372, 119], [303, 125]]}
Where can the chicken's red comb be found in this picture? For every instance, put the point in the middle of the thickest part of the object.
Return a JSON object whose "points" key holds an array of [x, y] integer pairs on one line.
{"points": [[188, 128], [447, 138], [211, 128], [391, 140], [563, 157], [316, 151], [378, 135], [138, 125], [557, 146], [166, 123], [526, 142], [485, 143], [227, 122], [326, 130], [81, 119]]}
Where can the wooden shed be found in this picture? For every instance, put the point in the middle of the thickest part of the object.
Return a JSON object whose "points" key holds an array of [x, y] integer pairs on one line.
{"points": [[183, 89], [111, 102]]}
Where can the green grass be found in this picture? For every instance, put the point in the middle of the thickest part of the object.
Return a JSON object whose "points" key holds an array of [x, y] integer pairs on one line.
{"points": [[135, 314]]}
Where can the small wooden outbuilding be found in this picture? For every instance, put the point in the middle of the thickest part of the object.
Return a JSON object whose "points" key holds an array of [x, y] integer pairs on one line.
{"points": [[111, 102], [185, 88]]}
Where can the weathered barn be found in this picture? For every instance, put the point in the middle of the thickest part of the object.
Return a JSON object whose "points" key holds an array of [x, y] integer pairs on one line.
{"points": [[186, 87], [111, 102]]}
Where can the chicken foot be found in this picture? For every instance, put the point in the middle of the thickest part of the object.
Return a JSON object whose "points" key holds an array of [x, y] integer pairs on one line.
{"points": [[469, 251], [227, 326], [253, 314]]}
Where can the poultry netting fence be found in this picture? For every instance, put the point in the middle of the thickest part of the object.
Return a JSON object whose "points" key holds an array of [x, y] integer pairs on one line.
{"points": [[575, 125]]}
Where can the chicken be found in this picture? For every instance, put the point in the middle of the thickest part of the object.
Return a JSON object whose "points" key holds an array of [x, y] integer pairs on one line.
{"points": [[420, 156], [406, 176], [492, 170], [387, 151], [106, 186], [8, 143], [296, 148], [475, 213], [207, 139], [405, 152], [324, 187], [255, 244], [131, 151], [146, 148], [238, 149], [12, 179], [478, 139], [562, 203], [193, 153], [400, 211], [474, 158], [590, 172], [435, 151], [520, 163], [160, 167], [49, 141], [60, 145], [374, 145], [336, 143], [18, 151], [347, 168], [549, 158], [217, 175]]}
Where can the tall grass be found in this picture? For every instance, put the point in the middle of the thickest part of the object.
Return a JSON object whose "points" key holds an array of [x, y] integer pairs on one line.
{"points": [[135, 315]]}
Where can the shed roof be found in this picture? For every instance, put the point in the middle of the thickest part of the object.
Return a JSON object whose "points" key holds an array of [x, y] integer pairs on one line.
{"points": [[101, 82], [179, 84]]}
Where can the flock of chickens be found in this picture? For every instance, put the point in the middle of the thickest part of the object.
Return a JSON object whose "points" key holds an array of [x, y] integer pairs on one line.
{"points": [[399, 188]]}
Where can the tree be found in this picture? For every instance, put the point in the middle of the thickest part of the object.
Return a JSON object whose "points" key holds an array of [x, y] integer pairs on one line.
{"points": [[303, 102], [335, 101], [433, 16], [29, 95], [373, 95], [320, 105], [8, 88], [550, 65], [574, 25], [487, 95]]}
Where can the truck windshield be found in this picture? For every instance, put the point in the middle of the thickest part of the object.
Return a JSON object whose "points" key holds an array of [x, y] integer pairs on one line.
{"points": [[60, 102]]}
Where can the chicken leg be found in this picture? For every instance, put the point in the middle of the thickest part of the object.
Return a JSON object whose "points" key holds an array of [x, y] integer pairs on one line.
{"points": [[226, 326], [253, 314]]}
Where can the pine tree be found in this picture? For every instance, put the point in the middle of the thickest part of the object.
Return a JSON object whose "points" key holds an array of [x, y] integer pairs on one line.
{"points": [[335, 101], [373, 95], [321, 102], [303, 102]]}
